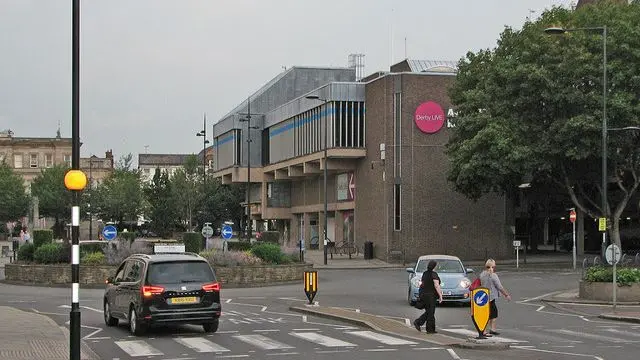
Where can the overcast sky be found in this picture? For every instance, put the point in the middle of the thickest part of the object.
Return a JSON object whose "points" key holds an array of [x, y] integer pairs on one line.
{"points": [[151, 68]]}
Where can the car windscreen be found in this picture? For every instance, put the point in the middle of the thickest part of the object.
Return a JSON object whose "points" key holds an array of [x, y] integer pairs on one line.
{"points": [[174, 272], [444, 266]]}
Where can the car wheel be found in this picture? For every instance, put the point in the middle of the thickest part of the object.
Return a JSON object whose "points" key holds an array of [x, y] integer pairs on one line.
{"points": [[135, 327], [211, 327], [411, 302], [108, 319]]}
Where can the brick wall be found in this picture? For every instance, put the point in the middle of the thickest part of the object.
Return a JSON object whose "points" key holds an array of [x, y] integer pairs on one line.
{"points": [[96, 275]]}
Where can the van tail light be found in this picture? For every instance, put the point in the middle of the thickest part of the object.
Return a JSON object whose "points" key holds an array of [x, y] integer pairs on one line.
{"points": [[211, 287], [148, 291]]}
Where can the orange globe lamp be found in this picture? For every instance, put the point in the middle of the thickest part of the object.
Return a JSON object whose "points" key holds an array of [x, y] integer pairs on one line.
{"points": [[75, 180]]}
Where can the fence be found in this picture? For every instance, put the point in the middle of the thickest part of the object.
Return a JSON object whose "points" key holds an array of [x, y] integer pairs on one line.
{"points": [[627, 260]]}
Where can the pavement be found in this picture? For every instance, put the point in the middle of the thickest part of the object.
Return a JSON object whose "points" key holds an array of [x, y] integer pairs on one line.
{"points": [[37, 337], [569, 300]]}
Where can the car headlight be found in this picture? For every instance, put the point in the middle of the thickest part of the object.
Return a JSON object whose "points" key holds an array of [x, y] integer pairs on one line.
{"points": [[464, 283], [416, 282]]}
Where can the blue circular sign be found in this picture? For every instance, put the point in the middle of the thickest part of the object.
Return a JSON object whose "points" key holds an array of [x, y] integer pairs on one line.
{"points": [[481, 298], [109, 232], [227, 232]]}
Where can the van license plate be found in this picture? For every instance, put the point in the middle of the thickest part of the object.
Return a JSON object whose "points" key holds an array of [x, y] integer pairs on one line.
{"points": [[183, 300]]}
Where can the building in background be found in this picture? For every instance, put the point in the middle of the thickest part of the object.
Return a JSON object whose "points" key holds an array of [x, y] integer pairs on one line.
{"points": [[148, 163]]}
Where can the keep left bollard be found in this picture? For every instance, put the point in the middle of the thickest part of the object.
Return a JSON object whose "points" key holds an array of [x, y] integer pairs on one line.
{"points": [[480, 309], [310, 285]]}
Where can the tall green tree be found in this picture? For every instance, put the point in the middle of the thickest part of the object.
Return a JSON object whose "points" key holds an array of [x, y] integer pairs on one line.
{"points": [[54, 199], [120, 196], [14, 201], [532, 106], [161, 209], [187, 190]]}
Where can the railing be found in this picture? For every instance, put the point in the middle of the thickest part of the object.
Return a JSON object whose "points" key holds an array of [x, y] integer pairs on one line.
{"points": [[626, 260]]}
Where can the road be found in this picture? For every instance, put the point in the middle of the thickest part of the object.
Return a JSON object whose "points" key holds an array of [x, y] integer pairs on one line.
{"points": [[257, 324]]}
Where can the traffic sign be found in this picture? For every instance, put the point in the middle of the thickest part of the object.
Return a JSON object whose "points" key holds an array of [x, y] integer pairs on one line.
{"points": [[109, 232], [310, 285], [480, 309], [602, 224], [612, 253], [572, 216], [517, 243], [207, 231], [227, 232]]}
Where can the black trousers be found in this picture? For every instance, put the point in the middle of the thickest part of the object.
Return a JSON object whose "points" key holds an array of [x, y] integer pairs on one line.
{"points": [[428, 318]]}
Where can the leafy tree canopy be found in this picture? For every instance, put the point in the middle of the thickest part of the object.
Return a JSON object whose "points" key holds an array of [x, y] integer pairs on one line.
{"points": [[13, 195], [54, 199]]}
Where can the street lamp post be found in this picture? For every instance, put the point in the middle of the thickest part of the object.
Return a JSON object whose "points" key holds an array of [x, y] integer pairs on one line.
{"points": [[203, 133], [316, 97], [603, 30], [89, 204], [249, 127]]}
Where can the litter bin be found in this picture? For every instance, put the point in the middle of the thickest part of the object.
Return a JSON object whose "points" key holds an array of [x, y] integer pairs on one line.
{"points": [[368, 250]]}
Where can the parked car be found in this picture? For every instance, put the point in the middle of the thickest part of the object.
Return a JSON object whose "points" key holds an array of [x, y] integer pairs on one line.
{"points": [[453, 278], [162, 289]]}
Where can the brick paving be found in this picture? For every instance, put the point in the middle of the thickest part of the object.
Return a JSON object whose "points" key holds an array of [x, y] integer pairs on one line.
{"points": [[31, 336]]}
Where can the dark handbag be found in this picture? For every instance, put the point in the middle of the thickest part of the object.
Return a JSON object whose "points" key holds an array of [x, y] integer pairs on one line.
{"points": [[420, 304]]}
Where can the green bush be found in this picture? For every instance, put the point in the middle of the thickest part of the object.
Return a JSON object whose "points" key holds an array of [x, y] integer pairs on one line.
{"points": [[239, 245], [94, 258], [25, 252], [269, 253], [192, 242], [88, 248], [47, 254], [624, 275], [41, 237], [270, 237], [130, 236]]}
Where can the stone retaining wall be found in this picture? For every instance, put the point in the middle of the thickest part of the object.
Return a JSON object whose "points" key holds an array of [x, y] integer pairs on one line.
{"points": [[96, 275], [602, 291]]}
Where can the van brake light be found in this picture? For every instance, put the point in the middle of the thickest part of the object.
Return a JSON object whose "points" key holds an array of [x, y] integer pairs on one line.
{"points": [[211, 287], [148, 291]]}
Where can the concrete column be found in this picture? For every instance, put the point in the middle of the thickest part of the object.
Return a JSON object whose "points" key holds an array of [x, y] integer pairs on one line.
{"points": [[339, 227], [580, 232], [306, 230], [321, 230]]}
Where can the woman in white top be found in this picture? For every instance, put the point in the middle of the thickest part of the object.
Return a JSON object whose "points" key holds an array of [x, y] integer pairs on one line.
{"points": [[490, 280]]}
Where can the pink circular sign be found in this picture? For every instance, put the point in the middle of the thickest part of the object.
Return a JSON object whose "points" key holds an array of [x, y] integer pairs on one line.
{"points": [[429, 117]]}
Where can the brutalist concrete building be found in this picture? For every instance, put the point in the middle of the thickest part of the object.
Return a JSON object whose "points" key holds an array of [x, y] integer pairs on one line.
{"points": [[386, 136]]}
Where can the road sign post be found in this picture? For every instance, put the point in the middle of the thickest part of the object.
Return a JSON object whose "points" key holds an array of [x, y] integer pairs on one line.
{"points": [[516, 244], [480, 310], [227, 233], [572, 218], [612, 254], [207, 232], [310, 285], [109, 232]]}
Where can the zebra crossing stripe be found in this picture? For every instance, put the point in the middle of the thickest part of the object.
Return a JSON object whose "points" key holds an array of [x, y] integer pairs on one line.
{"points": [[385, 339], [138, 348], [262, 342], [322, 339], [470, 333], [200, 345]]}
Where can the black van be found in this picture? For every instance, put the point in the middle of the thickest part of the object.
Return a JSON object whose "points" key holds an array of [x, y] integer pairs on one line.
{"points": [[162, 289]]}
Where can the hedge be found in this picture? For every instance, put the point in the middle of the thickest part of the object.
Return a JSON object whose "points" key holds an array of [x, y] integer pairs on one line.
{"points": [[192, 242], [239, 245], [41, 237], [624, 275], [48, 254]]}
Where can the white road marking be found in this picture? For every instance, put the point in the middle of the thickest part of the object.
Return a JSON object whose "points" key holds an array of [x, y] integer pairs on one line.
{"points": [[470, 333], [90, 336], [453, 354], [262, 342], [622, 332], [292, 299], [47, 313], [228, 301], [331, 351], [407, 322], [538, 297], [226, 332], [428, 348], [385, 339], [306, 329], [281, 354], [251, 297], [587, 336], [380, 349], [322, 339], [266, 330], [201, 345], [138, 348], [531, 348]]}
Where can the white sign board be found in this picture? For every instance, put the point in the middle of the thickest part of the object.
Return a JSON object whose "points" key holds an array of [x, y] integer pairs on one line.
{"points": [[207, 231], [168, 248], [609, 253], [516, 243], [342, 186]]}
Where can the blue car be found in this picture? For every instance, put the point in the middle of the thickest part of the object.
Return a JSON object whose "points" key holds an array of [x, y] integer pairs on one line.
{"points": [[453, 279]]}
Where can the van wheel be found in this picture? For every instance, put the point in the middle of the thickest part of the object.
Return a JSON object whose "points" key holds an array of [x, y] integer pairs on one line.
{"points": [[135, 327], [211, 327], [108, 319]]}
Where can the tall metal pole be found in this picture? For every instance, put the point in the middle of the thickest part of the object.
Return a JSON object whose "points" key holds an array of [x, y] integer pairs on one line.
{"points": [[604, 138], [204, 151], [90, 188], [326, 118], [74, 315], [249, 225]]}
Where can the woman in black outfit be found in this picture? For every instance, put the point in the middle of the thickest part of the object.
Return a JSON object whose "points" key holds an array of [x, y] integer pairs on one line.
{"points": [[429, 291]]}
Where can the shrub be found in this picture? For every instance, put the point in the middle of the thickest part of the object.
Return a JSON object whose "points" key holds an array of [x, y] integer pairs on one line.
{"points": [[239, 245], [128, 236], [270, 237], [116, 251], [94, 258], [25, 252], [230, 258], [624, 275], [192, 242], [41, 237], [87, 248], [269, 253], [47, 254]]}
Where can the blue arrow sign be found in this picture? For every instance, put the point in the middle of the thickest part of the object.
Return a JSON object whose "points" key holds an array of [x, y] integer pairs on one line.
{"points": [[109, 232], [227, 232], [481, 298]]}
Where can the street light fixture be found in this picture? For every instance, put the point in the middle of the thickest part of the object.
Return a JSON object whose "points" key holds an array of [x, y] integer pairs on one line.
{"points": [[324, 102], [203, 133], [603, 29]]}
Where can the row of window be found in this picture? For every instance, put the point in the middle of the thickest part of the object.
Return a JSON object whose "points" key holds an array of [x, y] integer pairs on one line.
{"points": [[35, 160]]}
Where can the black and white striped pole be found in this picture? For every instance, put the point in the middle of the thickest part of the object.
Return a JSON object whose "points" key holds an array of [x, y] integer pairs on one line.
{"points": [[75, 180]]}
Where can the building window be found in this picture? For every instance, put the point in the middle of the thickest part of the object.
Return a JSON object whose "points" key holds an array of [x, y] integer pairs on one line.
{"points": [[397, 203], [17, 161], [67, 160], [48, 160], [33, 160]]}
